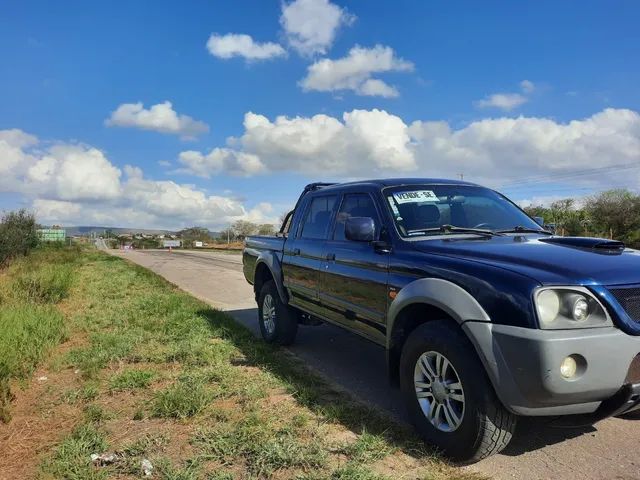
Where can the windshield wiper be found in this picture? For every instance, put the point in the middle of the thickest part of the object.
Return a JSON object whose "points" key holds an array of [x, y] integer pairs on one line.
{"points": [[453, 229], [521, 229]]}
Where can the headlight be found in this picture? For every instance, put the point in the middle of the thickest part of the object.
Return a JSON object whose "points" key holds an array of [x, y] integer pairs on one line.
{"points": [[569, 307]]}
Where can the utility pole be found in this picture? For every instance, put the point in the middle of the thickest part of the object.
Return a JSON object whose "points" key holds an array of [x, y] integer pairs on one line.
{"points": [[228, 233]]}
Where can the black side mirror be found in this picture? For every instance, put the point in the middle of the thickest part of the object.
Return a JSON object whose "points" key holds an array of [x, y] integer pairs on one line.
{"points": [[360, 229]]}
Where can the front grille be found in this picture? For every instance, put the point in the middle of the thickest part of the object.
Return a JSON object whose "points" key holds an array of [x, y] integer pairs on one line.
{"points": [[629, 299]]}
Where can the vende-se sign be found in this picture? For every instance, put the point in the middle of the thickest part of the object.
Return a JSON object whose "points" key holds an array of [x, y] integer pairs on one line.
{"points": [[171, 243]]}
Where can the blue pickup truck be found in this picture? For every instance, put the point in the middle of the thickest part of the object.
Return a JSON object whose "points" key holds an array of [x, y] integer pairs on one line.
{"points": [[483, 314]]}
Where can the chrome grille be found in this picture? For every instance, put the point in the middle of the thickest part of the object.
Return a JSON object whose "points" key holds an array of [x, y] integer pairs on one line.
{"points": [[629, 299]]}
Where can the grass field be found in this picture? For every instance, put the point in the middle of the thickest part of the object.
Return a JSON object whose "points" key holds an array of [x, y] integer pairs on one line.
{"points": [[110, 358]]}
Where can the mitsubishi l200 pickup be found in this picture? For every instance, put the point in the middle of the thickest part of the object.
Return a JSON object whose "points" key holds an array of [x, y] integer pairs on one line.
{"points": [[484, 315]]}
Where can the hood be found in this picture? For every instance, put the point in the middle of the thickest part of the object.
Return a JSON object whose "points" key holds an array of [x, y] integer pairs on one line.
{"points": [[549, 260]]}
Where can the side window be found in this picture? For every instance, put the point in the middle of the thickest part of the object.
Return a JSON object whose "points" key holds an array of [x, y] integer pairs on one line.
{"points": [[355, 205], [318, 217]]}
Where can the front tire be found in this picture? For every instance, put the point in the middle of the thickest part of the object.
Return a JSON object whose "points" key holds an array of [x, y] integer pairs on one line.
{"points": [[448, 395], [278, 323]]}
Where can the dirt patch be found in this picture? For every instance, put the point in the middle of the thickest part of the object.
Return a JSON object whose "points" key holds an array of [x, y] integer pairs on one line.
{"points": [[39, 419]]}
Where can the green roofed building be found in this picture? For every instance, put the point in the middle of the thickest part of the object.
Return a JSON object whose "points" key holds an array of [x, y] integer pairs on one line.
{"points": [[52, 234]]}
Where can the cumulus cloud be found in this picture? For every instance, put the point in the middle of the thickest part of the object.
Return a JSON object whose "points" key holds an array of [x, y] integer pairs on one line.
{"points": [[503, 101], [323, 144], [220, 160], [354, 72], [367, 143], [508, 101], [160, 118], [310, 26], [13, 158], [75, 183], [241, 45], [74, 172]]}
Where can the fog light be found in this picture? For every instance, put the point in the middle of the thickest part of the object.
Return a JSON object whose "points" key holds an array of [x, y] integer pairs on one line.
{"points": [[568, 368], [580, 309]]}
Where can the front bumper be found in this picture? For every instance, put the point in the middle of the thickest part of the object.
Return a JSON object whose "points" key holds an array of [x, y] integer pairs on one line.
{"points": [[524, 367]]}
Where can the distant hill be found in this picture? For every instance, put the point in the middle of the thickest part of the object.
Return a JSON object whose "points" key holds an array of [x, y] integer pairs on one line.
{"points": [[87, 230]]}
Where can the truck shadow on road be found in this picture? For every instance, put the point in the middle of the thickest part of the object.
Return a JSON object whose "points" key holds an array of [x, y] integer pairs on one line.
{"points": [[534, 433], [355, 369]]}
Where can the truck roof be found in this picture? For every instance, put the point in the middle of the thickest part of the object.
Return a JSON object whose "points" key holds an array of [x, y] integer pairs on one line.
{"points": [[389, 182]]}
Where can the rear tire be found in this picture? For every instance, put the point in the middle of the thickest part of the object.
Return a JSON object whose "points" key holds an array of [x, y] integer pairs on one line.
{"points": [[468, 422], [278, 322]]}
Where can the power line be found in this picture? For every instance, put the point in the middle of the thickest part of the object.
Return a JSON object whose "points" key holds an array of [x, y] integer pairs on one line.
{"points": [[571, 175]]}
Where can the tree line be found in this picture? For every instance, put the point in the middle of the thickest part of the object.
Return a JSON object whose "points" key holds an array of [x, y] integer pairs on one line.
{"points": [[611, 214]]}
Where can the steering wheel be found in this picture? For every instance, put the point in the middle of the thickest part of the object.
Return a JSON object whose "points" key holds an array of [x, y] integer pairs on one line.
{"points": [[486, 226]]}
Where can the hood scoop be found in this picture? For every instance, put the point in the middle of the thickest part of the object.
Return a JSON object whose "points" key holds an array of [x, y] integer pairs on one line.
{"points": [[597, 245]]}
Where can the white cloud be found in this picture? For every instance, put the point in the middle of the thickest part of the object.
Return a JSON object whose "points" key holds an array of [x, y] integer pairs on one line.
{"points": [[311, 25], [78, 184], [17, 138], [374, 87], [527, 86], [354, 72], [220, 160], [508, 101], [160, 118], [325, 145], [80, 181], [372, 143], [75, 172], [503, 101], [241, 45]]}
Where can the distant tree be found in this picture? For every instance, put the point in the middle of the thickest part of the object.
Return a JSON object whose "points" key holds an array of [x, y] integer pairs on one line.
{"points": [[615, 213], [228, 234], [244, 228], [538, 211], [17, 234], [194, 234], [266, 229]]}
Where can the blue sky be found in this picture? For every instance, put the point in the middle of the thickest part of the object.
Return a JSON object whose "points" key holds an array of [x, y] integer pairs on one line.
{"points": [[519, 96]]}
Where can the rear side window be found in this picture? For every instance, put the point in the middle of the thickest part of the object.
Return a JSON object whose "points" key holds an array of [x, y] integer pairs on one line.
{"points": [[316, 222], [355, 205]]}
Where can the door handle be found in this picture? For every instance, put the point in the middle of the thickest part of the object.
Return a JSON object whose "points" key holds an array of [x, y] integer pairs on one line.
{"points": [[330, 257], [296, 251]]}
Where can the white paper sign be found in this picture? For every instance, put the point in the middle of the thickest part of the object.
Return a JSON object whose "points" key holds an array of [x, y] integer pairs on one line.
{"points": [[415, 196]]}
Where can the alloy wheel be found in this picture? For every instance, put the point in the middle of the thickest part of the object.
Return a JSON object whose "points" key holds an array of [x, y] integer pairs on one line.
{"points": [[439, 391], [269, 314]]}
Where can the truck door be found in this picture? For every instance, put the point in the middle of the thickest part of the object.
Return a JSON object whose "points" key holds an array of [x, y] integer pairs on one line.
{"points": [[302, 256], [353, 279]]}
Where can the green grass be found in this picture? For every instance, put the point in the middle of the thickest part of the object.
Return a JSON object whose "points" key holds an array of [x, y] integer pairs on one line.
{"points": [[182, 400], [28, 334], [30, 324], [132, 379], [263, 442], [46, 284], [199, 395], [368, 448], [71, 460]]}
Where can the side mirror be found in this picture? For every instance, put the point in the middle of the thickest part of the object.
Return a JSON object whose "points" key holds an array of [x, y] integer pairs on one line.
{"points": [[539, 221], [360, 229]]}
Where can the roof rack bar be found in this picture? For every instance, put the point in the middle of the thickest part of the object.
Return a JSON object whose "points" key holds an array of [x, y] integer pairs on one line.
{"points": [[316, 186]]}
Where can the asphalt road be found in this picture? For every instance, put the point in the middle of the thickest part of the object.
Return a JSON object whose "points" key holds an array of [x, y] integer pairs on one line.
{"points": [[608, 450]]}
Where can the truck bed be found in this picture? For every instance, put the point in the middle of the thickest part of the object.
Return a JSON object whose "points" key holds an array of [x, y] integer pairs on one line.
{"points": [[254, 246]]}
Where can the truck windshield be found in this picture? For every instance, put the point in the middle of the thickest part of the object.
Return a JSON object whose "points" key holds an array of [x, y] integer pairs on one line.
{"points": [[420, 210]]}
